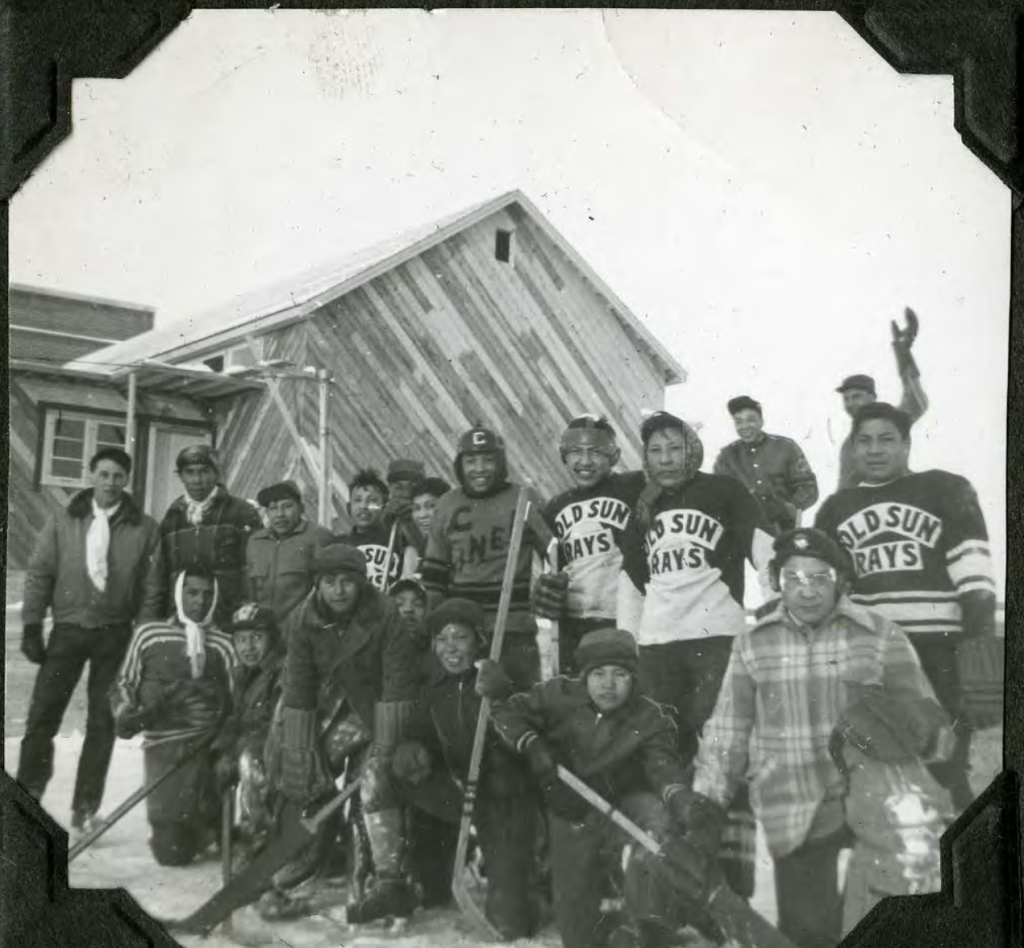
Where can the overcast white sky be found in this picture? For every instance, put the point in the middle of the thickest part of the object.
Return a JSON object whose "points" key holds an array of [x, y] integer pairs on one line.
{"points": [[761, 188]]}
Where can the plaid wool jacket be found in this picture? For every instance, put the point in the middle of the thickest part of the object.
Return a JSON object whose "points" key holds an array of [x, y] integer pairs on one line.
{"points": [[780, 699]]}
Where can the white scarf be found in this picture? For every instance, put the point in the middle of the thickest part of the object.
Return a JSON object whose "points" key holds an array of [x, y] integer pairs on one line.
{"points": [[97, 545], [197, 509], [195, 632]]}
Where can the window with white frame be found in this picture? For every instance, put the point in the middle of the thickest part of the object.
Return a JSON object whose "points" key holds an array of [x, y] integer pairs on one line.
{"points": [[70, 439]]}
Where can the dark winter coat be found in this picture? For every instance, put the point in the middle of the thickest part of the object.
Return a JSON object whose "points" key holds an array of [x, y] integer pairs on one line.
{"points": [[444, 721], [366, 661], [59, 579], [279, 571], [217, 544], [630, 750], [256, 693]]}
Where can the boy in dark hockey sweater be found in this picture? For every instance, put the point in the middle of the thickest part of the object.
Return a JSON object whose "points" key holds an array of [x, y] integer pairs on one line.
{"points": [[602, 728], [243, 736], [382, 544], [588, 520], [433, 763], [468, 546], [920, 552]]}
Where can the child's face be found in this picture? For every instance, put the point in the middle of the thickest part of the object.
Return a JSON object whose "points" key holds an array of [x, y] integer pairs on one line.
{"points": [[456, 648], [251, 646], [423, 507], [366, 506], [809, 588], [588, 464], [609, 687], [411, 609]]}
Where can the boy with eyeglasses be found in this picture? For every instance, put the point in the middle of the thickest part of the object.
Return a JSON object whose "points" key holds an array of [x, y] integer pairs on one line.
{"points": [[788, 682]]}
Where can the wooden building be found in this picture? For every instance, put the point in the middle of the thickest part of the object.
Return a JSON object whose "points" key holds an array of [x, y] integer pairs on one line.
{"points": [[488, 316]]}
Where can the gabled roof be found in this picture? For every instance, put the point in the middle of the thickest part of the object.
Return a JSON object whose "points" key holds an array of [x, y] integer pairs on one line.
{"points": [[274, 307]]}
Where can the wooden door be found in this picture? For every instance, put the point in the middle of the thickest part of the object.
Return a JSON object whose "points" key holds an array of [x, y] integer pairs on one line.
{"points": [[162, 483]]}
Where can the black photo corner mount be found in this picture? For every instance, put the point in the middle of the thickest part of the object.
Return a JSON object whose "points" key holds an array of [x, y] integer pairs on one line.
{"points": [[46, 43]]}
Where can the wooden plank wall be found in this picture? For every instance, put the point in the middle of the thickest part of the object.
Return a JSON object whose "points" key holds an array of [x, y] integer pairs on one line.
{"points": [[449, 339], [27, 508]]}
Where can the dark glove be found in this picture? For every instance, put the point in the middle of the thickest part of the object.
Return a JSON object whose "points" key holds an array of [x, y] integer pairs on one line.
{"points": [[550, 595], [543, 765], [32, 646], [703, 819], [225, 773], [492, 682], [131, 721], [411, 762], [903, 341], [694, 872], [197, 703], [890, 728], [303, 776]]}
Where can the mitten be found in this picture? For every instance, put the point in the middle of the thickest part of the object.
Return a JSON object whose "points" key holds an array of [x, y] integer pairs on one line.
{"points": [[302, 774], [543, 764], [492, 682], [695, 873], [411, 762], [550, 595], [705, 820], [32, 646]]}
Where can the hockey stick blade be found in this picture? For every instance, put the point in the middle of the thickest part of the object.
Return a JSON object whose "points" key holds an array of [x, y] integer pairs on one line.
{"points": [[255, 878], [734, 916]]}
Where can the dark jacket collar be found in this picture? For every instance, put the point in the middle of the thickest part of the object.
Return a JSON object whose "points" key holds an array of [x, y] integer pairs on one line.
{"points": [[81, 507]]}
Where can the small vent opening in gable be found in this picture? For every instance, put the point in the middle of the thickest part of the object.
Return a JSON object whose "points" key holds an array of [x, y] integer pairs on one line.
{"points": [[503, 245]]}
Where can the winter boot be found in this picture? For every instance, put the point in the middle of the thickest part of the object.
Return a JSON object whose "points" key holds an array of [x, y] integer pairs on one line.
{"points": [[390, 894]]}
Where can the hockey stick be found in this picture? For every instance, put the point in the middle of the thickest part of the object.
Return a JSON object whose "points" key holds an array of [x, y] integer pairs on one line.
{"points": [[462, 897], [736, 918], [137, 797], [550, 626], [227, 828], [254, 879], [386, 583]]}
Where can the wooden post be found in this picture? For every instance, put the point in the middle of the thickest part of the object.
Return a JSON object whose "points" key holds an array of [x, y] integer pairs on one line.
{"points": [[129, 428], [323, 380]]}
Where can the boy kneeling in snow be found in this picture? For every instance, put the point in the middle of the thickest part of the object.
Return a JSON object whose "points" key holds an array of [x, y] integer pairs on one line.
{"points": [[432, 764], [175, 687], [625, 747], [240, 743], [789, 678]]}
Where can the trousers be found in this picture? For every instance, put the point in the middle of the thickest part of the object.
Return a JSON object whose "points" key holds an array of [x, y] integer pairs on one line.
{"points": [[69, 650]]}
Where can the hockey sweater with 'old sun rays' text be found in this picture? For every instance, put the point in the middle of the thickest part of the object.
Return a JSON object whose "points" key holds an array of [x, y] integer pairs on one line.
{"points": [[918, 543]]}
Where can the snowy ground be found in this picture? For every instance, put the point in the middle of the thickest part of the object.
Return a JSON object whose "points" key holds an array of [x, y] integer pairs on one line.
{"points": [[122, 857]]}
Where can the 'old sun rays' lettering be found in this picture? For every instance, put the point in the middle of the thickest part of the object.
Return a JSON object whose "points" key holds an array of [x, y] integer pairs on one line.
{"points": [[681, 539], [585, 528], [917, 528]]}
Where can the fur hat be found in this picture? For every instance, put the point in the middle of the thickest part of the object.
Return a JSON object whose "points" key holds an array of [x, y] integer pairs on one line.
{"points": [[338, 558], [606, 647], [463, 611]]}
